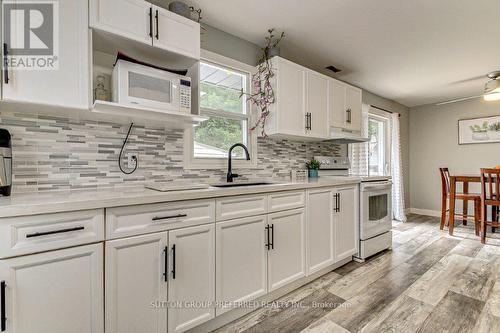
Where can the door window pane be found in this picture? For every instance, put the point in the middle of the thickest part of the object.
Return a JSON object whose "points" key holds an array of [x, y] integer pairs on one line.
{"points": [[377, 131]]}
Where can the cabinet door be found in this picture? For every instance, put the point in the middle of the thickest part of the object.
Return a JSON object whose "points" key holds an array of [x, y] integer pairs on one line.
{"points": [[320, 239], [67, 83], [347, 223], [337, 103], [241, 260], [192, 276], [291, 98], [57, 292], [286, 258], [127, 18], [317, 104], [175, 33], [134, 279], [353, 105]]}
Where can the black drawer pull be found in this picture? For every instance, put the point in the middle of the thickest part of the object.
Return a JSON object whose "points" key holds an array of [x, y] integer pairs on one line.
{"points": [[157, 218], [151, 22], [157, 26], [272, 236], [3, 318], [268, 242], [46, 233]]}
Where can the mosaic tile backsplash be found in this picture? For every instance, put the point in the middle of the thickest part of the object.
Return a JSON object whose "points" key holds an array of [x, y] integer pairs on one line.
{"points": [[57, 153]]}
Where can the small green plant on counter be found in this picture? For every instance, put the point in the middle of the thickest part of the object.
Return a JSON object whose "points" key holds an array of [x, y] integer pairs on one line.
{"points": [[495, 127], [313, 164], [477, 128]]}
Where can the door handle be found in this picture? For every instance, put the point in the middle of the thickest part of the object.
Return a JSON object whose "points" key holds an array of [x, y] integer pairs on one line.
{"points": [[272, 236], [151, 22], [268, 242], [3, 318], [165, 271], [5, 63], [173, 261], [339, 202], [157, 25]]}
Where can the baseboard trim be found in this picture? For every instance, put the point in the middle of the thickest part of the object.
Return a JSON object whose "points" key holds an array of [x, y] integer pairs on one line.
{"points": [[427, 212]]}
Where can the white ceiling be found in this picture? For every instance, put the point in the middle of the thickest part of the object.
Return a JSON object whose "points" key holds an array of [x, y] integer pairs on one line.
{"points": [[414, 52]]}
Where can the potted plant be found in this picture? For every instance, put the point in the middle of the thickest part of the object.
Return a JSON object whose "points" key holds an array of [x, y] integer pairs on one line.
{"points": [[312, 167], [494, 131], [480, 133]]}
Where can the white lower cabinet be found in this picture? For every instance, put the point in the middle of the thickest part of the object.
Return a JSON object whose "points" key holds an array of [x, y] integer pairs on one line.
{"points": [[241, 260], [144, 272], [135, 269], [346, 221], [58, 292], [320, 229], [192, 277], [286, 256]]}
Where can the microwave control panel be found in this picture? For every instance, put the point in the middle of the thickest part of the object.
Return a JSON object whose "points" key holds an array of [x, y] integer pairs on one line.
{"points": [[185, 95]]}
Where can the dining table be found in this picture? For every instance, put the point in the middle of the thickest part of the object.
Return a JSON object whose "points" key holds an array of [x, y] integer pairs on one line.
{"points": [[465, 179]]}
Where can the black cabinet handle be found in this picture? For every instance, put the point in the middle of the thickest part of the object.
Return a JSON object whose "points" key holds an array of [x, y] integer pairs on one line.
{"points": [[336, 209], [157, 218], [165, 271], [5, 63], [339, 202], [349, 118], [157, 25], [173, 261], [46, 233], [151, 22], [272, 236], [308, 121], [268, 239], [3, 318]]}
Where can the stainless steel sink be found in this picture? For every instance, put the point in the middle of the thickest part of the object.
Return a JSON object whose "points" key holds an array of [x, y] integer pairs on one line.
{"points": [[242, 184]]}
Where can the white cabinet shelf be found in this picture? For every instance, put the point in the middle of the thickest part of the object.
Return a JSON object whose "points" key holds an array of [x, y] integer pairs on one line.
{"points": [[130, 113]]}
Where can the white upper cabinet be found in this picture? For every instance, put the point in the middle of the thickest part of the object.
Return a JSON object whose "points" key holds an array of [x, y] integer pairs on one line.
{"points": [[344, 106], [132, 19], [67, 83], [288, 112], [317, 104], [176, 33], [146, 23]]}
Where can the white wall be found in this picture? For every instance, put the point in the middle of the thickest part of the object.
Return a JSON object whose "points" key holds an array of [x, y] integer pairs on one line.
{"points": [[434, 144]]}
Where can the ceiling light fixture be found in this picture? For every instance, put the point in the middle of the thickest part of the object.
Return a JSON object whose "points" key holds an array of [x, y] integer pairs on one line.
{"points": [[492, 87]]}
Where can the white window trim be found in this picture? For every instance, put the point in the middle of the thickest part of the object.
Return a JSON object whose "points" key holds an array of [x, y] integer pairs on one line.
{"points": [[384, 116], [190, 162]]}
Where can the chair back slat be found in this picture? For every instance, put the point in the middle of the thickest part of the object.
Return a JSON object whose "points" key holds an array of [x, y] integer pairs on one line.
{"points": [[490, 184], [445, 180]]}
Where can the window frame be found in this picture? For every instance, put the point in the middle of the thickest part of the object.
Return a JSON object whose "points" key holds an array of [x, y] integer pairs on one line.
{"points": [[192, 162], [384, 117]]}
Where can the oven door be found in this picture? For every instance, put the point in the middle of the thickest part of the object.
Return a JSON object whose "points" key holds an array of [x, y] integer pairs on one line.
{"points": [[376, 209]]}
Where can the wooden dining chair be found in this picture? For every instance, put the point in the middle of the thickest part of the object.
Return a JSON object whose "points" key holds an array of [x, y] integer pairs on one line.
{"points": [[464, 197], [490, 197]]}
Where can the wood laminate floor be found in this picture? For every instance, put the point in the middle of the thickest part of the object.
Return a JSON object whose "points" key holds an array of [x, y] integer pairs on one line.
{"points": [[429, 282]]}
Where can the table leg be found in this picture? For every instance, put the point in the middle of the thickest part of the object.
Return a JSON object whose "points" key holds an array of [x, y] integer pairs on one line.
{"points": [[465, 208], [451, 222]]}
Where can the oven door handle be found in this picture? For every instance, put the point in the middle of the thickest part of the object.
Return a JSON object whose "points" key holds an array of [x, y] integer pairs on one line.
{"points": [[379, 187]]}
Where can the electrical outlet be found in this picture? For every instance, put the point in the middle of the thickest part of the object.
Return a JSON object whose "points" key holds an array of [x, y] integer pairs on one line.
{"points": [[131, 160]]}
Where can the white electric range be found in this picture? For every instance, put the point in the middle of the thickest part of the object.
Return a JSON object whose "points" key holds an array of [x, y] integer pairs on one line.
{"points": [[375, 205]]}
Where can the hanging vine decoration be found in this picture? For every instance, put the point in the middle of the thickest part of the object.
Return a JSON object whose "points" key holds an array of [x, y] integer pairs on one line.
{"points": [[263, 93]]}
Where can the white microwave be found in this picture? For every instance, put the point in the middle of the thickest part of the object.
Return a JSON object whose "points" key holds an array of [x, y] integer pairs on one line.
{"points": [[150, 87]]}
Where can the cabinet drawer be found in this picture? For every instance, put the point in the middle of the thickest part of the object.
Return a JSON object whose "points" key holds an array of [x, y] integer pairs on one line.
{"points": [[37, 233], [141, 219], [241, 206], [286, 200]]}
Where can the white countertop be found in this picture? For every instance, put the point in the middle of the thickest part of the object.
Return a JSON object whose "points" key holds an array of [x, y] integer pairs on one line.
{"points": [[19, 204]]}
